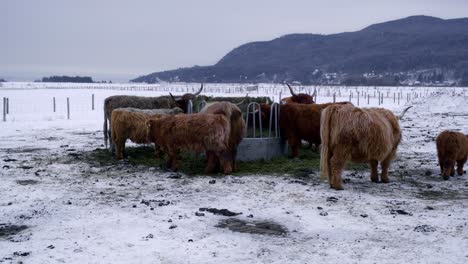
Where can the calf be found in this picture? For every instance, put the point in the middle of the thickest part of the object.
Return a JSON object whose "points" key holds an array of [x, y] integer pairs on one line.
{"points": [[196, 132], [452, 147]]}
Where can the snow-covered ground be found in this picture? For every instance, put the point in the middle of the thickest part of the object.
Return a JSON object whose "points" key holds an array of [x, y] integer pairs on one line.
{"points": [[73, 211]]}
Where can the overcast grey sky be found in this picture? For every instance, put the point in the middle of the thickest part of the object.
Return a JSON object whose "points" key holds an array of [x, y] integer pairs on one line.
{"points": [[120, 40]]}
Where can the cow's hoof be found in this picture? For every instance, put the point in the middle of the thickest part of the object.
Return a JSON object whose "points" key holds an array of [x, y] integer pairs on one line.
{"points": [[385, 180], [338, 187], [210, 171]]}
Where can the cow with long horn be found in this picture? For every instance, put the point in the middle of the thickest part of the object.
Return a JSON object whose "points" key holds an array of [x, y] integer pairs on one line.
{"points": [[300, 98]]}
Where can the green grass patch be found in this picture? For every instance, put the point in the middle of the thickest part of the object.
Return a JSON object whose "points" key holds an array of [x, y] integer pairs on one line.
{"points": [[193, 164]]}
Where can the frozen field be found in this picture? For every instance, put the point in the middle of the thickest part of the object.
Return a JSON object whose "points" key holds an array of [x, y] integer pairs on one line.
{"points": [[57, 207]]}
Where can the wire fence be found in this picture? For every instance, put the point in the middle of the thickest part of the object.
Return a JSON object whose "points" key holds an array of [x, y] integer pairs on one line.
{"points": [[39, 101]]}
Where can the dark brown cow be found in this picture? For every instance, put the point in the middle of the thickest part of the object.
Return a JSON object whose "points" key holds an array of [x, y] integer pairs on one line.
{"points": [[358, 134], [142, 102], [452, 147], [294, 99], [301, 98], [130, 123], [302, 122], [196, 132], [237, 123]]}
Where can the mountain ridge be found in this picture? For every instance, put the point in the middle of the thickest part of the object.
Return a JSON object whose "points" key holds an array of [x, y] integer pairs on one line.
{"points": [[417, 48]]}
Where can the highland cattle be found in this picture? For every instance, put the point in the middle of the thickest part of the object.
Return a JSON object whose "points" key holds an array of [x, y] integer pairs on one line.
{"points": [[196, 132], [300, 98], [452, 147], [362, 135], [160, 102], [302, 122], [237, 131], [130, 123]]}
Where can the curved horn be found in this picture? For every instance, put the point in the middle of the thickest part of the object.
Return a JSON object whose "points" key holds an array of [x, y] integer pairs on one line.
{"points": [[400, 117], [199, 91], [291, 90], [315, 93], [173, 98], [241, 102]]}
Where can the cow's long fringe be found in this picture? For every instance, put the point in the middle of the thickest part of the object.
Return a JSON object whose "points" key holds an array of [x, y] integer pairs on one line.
{"points": [[325, 131]]}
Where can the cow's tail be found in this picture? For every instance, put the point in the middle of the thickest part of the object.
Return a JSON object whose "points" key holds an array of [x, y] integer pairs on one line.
{"points": [[400, 117], [105, 127], [325, 134]]}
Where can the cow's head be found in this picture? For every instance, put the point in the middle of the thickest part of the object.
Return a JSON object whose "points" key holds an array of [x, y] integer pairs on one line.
{"points": [[182, 102], [265, 111], [300, 98]]}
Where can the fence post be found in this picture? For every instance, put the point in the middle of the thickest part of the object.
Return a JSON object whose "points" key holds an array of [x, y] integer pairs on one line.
{"points": [[53, 103], [4, 109], [92, 102], [358, 98], [68, 108], [334, 97], [8, 105], [368, 98]]}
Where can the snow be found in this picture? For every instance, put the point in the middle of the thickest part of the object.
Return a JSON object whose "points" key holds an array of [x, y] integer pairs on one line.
{"points": [[78, 212]]}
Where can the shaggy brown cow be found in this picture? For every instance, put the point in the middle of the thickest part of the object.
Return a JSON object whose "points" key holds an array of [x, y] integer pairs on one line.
{"points": [[360, 135], [120, 101], [130, 123], [452, 147], [298, 98], [196, 132], [302, 122], [237, 123]]}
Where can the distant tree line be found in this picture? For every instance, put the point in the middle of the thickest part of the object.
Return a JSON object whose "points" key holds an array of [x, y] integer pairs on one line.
{"points": [[2, 80], [69, 79]]}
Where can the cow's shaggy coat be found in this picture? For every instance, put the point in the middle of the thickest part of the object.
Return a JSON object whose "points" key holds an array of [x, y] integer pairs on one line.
{"points": [[142, 102], [358, 134], [237, 125], [196, 132], [130, 123], [302, 122], [452, 147]]}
